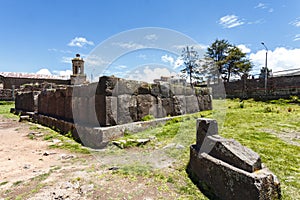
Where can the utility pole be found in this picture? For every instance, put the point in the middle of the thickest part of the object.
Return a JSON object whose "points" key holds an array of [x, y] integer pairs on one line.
{"points": [[266, 67]]}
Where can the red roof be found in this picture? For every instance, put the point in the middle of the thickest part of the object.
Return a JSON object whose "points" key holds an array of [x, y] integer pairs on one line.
{"points": [[34, 76]]}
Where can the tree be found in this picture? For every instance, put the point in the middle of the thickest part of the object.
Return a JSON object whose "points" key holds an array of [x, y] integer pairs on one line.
{"points": [[190, 58], [229, 59], [236, 63], [218, 51], [262, 74]]}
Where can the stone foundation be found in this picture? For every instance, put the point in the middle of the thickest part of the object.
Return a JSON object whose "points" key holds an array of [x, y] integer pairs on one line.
{"points": [[224, 169]]}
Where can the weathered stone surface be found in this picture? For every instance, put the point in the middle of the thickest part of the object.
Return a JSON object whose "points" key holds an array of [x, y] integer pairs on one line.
{"points": [[127, 108], [224, 169], [205, 127], [192, 104], [111, 110], [220, 180], [168, 106], [165, 90], [181, 103], [229, 151], [25, 101], [60, 96], [144, 104], [6, 95]]}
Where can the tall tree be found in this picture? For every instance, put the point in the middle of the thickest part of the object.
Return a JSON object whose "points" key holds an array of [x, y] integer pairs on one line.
{"points": [[218, 51], [190, 58], [229, 59], [236, 63]]}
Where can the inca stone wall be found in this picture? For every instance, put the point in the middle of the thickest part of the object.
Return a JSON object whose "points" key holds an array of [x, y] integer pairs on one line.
{"points": [[114, 101]]}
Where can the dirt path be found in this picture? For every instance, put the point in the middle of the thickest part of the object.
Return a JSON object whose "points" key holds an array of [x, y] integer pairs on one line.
{"points": [[29, 169]]}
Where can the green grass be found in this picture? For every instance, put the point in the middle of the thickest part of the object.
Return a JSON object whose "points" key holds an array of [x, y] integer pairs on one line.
{"points": [[66, 142], [5, 107], [257, 125]]}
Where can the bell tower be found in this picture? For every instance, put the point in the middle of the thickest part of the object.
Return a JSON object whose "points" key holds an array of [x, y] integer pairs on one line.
{"points": [[78, 77]]}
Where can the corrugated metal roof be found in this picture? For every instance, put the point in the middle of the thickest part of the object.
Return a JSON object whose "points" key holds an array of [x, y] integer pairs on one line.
{"points": [[33, 76]]}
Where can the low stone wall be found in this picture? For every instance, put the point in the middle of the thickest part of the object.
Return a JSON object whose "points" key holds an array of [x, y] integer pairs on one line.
{"points": [[277, 87], [27, 101], [93, 137], [224, 169], [6, 95]]}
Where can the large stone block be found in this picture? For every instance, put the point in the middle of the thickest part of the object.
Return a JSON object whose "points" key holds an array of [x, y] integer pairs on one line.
{"points": [[220, 180], [224, 169], [43, 103], [106, 85], [111, 110], [60, 96], [92, 114], [127, 108], [192, 105], [52, 104], [145, 105], [25, 101], [181, 103], [168, 106], [68, 109]]}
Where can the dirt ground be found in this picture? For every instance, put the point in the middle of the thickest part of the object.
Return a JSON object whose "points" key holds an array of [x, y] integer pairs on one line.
{"points": [[29, 169]]}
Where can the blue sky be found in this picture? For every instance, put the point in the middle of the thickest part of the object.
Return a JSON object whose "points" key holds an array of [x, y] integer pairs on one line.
{"points": [[44, 34]]}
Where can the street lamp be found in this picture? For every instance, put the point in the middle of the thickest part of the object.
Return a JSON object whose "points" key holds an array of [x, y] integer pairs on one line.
{"points": [[266, 67]]}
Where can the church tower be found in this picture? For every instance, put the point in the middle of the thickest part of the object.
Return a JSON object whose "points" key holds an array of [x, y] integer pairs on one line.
{"points": [[78, 77]]}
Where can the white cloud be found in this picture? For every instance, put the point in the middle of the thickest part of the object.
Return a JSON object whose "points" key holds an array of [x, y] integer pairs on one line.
{"points": [[152, 37], [297, 37], [296, 22], [198, 47], [230, 21], [80, 42], [128, 45], [261, 5], [259, 21], [264, 6], [95, 61], [173, 63], [149, 74], [278, 60], [167, 59], [65, 73], [121, 67], [243, 48], [178, 62], [44, 72], [66, 60]]}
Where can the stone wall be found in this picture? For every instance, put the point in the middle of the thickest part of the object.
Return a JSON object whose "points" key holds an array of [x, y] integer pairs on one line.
{"points": [[9, 82], [114, 101], [27, 101], [6, 95], [277, 87]]}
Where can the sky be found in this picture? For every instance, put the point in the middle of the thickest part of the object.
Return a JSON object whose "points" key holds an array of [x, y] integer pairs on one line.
{"points": [[42, 36]]}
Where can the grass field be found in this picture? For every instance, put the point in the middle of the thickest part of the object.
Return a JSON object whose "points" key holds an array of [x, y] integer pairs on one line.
{"points": [[269, 128]]}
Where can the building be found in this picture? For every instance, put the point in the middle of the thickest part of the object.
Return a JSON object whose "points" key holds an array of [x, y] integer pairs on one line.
{"points": [[13, 80]]}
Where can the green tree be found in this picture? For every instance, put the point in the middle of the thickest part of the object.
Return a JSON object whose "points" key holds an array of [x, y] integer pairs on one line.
{"points": [[263, 72], [218, 51], [229, 59], [236, 63]]}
